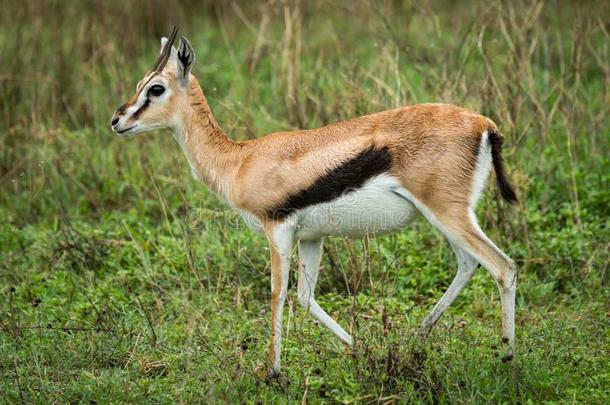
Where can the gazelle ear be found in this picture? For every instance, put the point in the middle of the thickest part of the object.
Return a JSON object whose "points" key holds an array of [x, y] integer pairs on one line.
{"points": [[186, 58], [173, 53]]}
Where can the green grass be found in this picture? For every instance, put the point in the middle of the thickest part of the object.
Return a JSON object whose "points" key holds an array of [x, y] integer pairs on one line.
{"points": [[124, 280]]}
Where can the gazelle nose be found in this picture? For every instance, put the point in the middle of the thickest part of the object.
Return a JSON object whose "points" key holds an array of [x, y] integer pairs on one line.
{"points": [[114, 121]]}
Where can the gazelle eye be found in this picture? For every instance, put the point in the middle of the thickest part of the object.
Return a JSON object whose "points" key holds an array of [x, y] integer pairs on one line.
{"points": [[156, 90]]}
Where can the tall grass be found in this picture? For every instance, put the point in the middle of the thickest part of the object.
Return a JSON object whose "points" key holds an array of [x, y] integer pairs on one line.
{"points": [[540, 70]]}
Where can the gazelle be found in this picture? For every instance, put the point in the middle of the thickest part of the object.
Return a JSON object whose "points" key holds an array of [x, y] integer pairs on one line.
{"points": [[368, 175]]}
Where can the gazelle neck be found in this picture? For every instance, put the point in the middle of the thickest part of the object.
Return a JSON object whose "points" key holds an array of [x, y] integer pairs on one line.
{"points": [[213, 156]]}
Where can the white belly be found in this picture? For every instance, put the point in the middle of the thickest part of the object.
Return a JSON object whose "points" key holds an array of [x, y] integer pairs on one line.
{"points": [[251, 220], [373, 209]]}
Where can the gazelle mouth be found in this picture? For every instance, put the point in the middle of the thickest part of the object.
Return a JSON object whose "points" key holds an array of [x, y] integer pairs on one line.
{"points": [[125, 130]]}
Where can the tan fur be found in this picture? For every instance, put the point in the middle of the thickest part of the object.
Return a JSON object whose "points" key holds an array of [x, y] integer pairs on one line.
{"points": [[434, 146], [275, 293], [434, 149]]}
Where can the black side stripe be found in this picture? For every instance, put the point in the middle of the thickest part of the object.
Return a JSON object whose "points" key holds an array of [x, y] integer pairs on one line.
{"points": [[347, 177]]}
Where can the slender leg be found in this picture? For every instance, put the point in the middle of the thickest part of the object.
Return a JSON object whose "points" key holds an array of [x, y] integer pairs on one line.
{"points": [[280, 244], [466, 267], [309, 267], [504, 271], [502, 268], [462, 230]]}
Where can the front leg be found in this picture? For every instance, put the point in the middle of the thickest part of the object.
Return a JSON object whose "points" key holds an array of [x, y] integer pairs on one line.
{"points": [[309, 267], [280, 237]]}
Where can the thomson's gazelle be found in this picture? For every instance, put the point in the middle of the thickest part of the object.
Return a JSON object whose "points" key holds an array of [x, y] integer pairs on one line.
{"points": [[368, 175]]}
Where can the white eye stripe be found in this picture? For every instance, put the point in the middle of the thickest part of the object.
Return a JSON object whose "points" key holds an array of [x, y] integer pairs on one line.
{"points": [[155, 82], [143, 97], [146, 80]]}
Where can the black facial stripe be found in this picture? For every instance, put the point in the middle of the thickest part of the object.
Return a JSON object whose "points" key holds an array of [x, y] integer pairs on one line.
{"points": [[141, 109], [349, 176], [121, 109]]}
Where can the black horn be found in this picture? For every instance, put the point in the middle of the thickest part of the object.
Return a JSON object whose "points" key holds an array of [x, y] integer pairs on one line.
{"points": [[166, 52]]}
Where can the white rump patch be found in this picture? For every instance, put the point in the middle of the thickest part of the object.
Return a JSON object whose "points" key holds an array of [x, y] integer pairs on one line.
{"points": [[481, 171]]}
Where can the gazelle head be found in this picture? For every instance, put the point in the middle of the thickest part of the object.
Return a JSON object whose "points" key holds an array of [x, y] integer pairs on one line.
{"points": [[162, 92]]}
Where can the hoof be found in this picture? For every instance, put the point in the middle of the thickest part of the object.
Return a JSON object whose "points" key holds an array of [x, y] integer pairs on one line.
{"points": [[508, 358], [422, 333], [272, 375]]}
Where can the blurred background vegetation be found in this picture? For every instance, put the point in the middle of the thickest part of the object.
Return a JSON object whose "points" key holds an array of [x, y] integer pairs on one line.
{"points": [[122, 279]]}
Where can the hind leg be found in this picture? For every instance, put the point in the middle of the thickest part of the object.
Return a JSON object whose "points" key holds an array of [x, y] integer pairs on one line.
{"points": [[502, 268], [466, 233], [460, 227], [466, 268]]}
